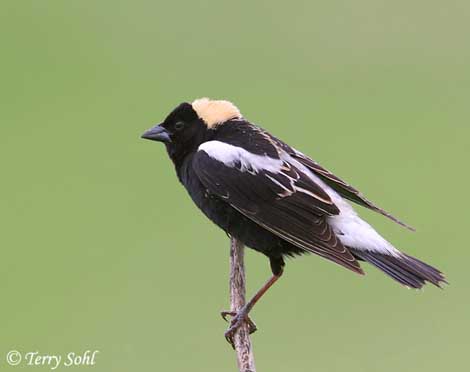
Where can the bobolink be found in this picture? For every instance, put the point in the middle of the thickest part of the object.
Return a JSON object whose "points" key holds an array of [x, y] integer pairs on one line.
{"points": [[273, 198]]}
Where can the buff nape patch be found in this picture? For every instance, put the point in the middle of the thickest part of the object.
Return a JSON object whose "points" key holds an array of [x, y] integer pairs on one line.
{"points": [[214, 112]]}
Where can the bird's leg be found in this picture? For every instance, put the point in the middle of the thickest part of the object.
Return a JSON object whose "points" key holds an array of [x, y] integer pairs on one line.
{"points": [[242, 315]]}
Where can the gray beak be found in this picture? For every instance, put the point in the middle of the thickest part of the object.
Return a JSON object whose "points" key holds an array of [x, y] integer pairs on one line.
{"points": [[157, 133]]}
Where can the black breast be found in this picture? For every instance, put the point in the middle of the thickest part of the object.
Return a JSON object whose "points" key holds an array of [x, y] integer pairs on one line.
{"points": [[229, 219]]}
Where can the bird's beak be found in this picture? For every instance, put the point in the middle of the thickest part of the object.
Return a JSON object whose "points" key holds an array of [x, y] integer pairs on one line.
{"points": [[157, 133]]}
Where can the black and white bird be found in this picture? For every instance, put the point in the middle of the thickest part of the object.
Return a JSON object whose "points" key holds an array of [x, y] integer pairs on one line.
{"points": [[273, 198]]}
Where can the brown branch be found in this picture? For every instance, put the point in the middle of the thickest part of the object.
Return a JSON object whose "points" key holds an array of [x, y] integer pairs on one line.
{"points": [[241, 339]]}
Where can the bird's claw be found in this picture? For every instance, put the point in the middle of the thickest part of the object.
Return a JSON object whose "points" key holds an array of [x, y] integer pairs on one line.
{"points": [[224, 314], [251, 324], [237, 320]]}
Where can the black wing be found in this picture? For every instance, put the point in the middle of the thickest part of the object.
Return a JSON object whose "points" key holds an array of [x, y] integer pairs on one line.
{"points": [[286, 202], [341, 187]]}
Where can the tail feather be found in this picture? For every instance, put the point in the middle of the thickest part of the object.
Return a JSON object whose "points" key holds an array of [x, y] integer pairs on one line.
{"points": [[405, 269]]}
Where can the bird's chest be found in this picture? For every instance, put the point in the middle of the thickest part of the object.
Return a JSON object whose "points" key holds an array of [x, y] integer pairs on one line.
{"points": [[215, 208], [228, 218]]}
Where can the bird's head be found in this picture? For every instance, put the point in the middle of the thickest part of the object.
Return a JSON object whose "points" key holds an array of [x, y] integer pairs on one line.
{"points": [[191, 124]]}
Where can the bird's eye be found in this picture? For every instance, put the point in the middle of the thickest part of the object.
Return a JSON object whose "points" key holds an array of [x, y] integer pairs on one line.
{"points": [[179, 125]]}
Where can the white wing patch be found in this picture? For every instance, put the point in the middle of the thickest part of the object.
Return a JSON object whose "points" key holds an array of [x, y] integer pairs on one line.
{"points": [[351, 230], [232, 155]]}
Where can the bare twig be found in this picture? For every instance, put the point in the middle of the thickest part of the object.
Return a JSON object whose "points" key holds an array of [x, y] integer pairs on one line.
{"points": [[241, 339]]}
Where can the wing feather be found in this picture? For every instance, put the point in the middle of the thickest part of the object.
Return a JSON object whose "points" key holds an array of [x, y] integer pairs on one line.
{"points": [[344, 189], [341, 187], [286, 202]]}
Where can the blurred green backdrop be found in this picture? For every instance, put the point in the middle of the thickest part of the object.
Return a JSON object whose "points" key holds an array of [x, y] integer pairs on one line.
{"points": [[102, 249]]}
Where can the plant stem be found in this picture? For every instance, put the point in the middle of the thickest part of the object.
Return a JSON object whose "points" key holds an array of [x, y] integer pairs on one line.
{"points": [[241, 339]]}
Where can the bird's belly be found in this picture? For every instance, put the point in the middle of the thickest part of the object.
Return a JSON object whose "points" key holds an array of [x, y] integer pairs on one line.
{"points": [[250, 233], [232, 221], [237, 225]]}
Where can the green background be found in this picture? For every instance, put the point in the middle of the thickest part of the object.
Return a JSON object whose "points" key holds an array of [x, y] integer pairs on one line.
{"points": [[102, 248]]}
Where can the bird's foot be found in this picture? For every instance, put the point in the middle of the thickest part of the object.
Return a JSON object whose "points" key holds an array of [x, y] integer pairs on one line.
{"points": [[237, 320]]}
